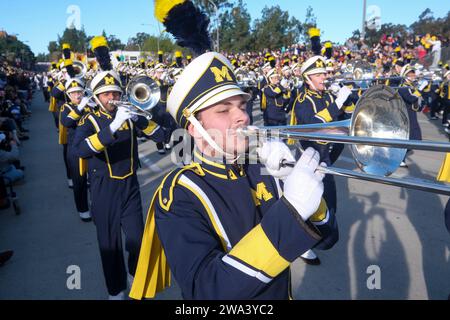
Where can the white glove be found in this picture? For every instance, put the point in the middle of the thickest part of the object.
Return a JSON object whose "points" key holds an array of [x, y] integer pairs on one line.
{"points": [[122, 115], [271, 154], [83, 103], [342, 96], [303, 188], [334, 88]]}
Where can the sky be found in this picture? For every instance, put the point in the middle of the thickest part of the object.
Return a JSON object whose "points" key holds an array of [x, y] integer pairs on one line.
{"points": [[39, 22]]}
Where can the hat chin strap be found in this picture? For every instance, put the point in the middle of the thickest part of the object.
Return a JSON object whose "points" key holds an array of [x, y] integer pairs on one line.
{"points": [[309, 82], [197, 125]]}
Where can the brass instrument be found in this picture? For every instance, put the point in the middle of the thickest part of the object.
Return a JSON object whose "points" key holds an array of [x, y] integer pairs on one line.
{"points": [[142, 94], [80, 69], [378, 137]]}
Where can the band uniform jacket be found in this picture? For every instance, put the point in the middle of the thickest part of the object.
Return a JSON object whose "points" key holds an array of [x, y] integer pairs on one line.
{"points": [[113, 155], [228, 233], [411, 98]]}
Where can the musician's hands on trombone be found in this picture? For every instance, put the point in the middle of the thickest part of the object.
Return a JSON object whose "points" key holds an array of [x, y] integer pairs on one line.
{"points": [[303, 188], [272, 154], [122, 115]]}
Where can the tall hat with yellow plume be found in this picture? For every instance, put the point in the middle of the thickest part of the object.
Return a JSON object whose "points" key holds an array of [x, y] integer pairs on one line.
{"points": [[178, 59], [107, 79], [328, 50], [68, 63], [186, 23], [160, 56], [314, 36]]}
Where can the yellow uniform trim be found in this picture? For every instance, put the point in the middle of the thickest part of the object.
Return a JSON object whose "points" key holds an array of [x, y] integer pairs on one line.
{"points": [[444, 171], [256, 250], [150, 128], [325, 114], [321, 213], [97, 129], [218, 175], [73, 115], [211, 163], [152, 272], [95, 142], [52, 107]]}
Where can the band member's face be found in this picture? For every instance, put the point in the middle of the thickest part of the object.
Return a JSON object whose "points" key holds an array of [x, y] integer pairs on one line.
{"points": [[75, 97], [297, 72], [411, 76], [275, 79], [105, 97], [221, 121], [317, 81]]}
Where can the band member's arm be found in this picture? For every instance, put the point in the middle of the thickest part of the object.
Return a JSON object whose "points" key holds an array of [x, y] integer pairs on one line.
{"points": [[88, 142], [272, 92], [409, 96], [202, 267], [150, 129], [69, 116], [58, 92]]}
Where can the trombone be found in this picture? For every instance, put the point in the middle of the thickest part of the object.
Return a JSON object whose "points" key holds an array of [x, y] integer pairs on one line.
{"points": [[378, 137], [142, 94]]}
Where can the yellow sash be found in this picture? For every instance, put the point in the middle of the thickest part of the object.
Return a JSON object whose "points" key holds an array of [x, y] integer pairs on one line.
{"points": [[152, 272]]}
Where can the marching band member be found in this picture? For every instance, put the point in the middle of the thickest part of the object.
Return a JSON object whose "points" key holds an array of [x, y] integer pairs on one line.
{"points": [[227, 230], [106, 139], [277, 99], [161, 116], [413, 101], [315, 105], [71, 113]]}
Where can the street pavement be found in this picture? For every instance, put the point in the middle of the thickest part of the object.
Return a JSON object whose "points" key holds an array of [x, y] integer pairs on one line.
{"points": [[393, 242]]}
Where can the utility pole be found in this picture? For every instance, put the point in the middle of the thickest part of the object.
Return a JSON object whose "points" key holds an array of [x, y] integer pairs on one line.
{"points": [[363, 29], [216, 11]]}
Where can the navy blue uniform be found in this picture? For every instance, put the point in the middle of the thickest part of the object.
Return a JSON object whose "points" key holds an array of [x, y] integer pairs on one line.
{"points": [[276, 101], [411, 99], [69, 119], [162, 117], [112, 161], [228, 233], [313, 107]]}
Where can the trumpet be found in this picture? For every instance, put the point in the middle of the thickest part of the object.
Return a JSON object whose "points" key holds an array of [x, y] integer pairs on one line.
{"points": [[378, 137], [80, 69], [142, 94]]}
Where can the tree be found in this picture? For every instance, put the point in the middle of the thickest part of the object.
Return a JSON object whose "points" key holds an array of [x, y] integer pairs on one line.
{"points": [[275, 29], [53, 47], [15, 50], [209, 8], [235, 33], [310, 22], [115, 43], [76, 38], [139, 39]]}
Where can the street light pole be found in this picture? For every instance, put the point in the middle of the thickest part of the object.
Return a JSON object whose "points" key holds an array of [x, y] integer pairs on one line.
{"points": [[363, 30], [217, 23]]}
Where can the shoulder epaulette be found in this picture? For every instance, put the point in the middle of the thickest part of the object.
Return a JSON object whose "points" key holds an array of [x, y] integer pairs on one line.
{"points": [[165, 189]]}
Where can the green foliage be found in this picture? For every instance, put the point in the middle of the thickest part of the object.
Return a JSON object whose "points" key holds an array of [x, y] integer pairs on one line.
{"points": [[235, 32], [275, 29], [12, 48], [76, 38]]}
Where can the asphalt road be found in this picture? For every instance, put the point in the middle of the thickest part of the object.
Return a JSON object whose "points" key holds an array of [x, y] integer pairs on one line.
{"points": [[393, 243]]}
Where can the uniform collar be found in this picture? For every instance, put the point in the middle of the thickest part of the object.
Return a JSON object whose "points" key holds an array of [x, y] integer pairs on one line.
{"points": [[313, 93], [218, 167]]}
